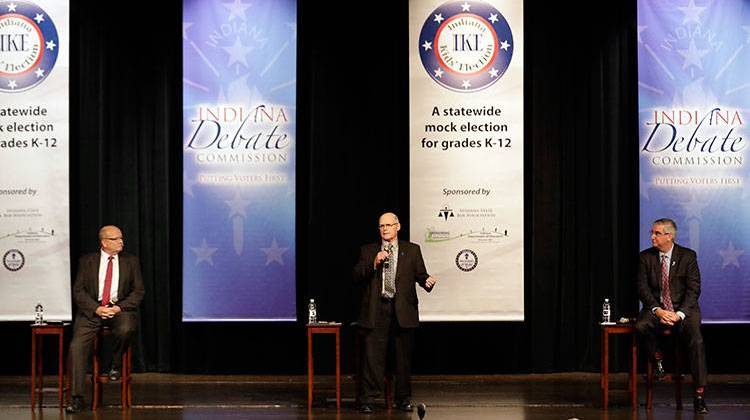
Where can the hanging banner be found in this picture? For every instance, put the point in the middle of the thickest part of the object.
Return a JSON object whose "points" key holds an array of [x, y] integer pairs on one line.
{"points": [[694, 98], [466, 156], [239, 98], [34, 201]]}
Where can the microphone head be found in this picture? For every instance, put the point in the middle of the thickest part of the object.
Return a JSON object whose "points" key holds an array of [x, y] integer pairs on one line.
{"points": [[421, 410]]}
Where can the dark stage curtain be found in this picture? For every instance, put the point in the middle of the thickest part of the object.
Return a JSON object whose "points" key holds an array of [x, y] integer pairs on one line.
{"points": [[352, 139]]}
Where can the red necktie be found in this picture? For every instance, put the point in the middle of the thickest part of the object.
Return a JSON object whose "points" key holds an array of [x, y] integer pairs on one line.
{"points": [[666, 298], [107, 283]]}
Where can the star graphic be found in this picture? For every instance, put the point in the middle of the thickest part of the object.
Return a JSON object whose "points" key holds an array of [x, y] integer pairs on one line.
{"points": [[466, 84], [640, 30], [691, 12], [493, 18], [438, 73], [12, 84], [643, 186], [747, 29], [39, 72], [466, 7], [185, 26], [237, 52], [493, 72], [204, 253], [693, 208], [692, 55], [237, 205], [427, 45], [12, 7], [51, 45], [39, 18], [187, 185], [236, 9], [504, 45], [274, 253], [730, 255], [439, 18], [293, 27]]}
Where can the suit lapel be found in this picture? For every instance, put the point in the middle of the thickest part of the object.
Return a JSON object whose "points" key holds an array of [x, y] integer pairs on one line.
{"points": [[401, 258], [673, 262]]}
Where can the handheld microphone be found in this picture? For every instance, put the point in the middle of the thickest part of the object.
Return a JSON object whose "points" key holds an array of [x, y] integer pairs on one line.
{"points": [[421, 410]]}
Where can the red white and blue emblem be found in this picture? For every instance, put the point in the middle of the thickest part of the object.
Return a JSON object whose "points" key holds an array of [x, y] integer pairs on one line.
{"points": [[28, 45], [466, 46]]}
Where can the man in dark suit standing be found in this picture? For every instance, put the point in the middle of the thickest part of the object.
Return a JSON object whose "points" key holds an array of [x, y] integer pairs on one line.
{"points": [[388, 270], [107, 291], [669, 284]]}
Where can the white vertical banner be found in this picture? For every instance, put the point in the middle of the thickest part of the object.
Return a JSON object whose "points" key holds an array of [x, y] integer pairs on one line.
{"points": [[34, 200], [466, 156]]}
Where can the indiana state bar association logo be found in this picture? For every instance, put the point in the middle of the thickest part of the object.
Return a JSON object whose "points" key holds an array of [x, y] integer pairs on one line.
{"points": [[466, 46], [28, 45]]}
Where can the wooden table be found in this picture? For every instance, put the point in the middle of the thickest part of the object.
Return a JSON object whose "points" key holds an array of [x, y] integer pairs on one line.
{"points": [[632, 378], [37, 334], [323, 328]]}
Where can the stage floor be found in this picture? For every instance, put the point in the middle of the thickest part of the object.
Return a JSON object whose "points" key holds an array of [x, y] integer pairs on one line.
{"points": [[550, 396]]}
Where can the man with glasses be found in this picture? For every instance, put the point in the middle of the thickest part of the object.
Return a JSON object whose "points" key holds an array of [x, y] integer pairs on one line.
{"points": [[107, 291], [669, 284], [388, 270]]}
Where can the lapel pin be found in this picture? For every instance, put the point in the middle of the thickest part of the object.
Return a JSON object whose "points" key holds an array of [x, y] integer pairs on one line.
{"points": [[673, 263]]}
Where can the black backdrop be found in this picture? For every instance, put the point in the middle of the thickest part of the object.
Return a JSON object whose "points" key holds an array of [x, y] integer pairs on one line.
{"points": [[581, 184]]}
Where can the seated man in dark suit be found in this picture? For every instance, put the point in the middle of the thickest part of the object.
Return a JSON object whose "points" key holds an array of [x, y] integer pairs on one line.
{"points": [[669, 284], [107, 291]]}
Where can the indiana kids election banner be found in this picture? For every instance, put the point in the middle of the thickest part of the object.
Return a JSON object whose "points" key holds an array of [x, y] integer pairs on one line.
{"points": [[466, 156], [239, 83], [694, 98], [34, 200]]}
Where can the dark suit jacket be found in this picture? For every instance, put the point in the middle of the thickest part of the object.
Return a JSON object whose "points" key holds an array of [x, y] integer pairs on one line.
{"points": [[684, 280], [130, 289], [410, 270]]}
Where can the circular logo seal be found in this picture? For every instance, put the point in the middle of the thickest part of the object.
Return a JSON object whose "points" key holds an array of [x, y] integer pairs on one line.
{"points": [[465, 46], [13, 260], [28, 45], [466, 260]]}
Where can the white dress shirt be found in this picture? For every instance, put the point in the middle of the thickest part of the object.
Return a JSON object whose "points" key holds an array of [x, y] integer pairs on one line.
{"points": [[103, 260]]}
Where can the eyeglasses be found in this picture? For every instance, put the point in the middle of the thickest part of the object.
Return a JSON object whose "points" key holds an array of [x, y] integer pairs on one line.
{"points": [[117, 238], [657, 233], [387, 225]]}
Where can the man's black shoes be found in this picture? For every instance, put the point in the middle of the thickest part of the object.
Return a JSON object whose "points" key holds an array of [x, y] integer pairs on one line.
{"points": [[699, 405], [365, 409], [659, 373], [404, 406], [76, 405], [114, 374]]}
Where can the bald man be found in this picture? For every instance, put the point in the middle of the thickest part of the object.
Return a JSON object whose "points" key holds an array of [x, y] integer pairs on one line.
{"points": [[389, 271], [107, 291]]}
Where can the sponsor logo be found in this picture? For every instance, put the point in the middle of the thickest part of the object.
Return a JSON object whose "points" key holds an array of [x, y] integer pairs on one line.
{"points": [[466, 260], [445, 213], [13, 260], [465, 46], [28, 45]]}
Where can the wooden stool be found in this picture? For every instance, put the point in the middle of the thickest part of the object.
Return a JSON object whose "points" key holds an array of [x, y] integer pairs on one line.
{"points": [[126, 393], [676, 376], [323, 328], [37, 387], [632, 378]]}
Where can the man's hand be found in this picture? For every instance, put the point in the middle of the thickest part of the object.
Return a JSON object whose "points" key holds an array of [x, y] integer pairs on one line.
{"points": [[667, 317], [379, 258], [105, 312], [430, 282]]}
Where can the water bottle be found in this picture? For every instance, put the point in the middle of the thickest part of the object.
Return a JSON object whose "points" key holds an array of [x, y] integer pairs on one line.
{"points": [[39, 318], [312, 312], [606, 310]]}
